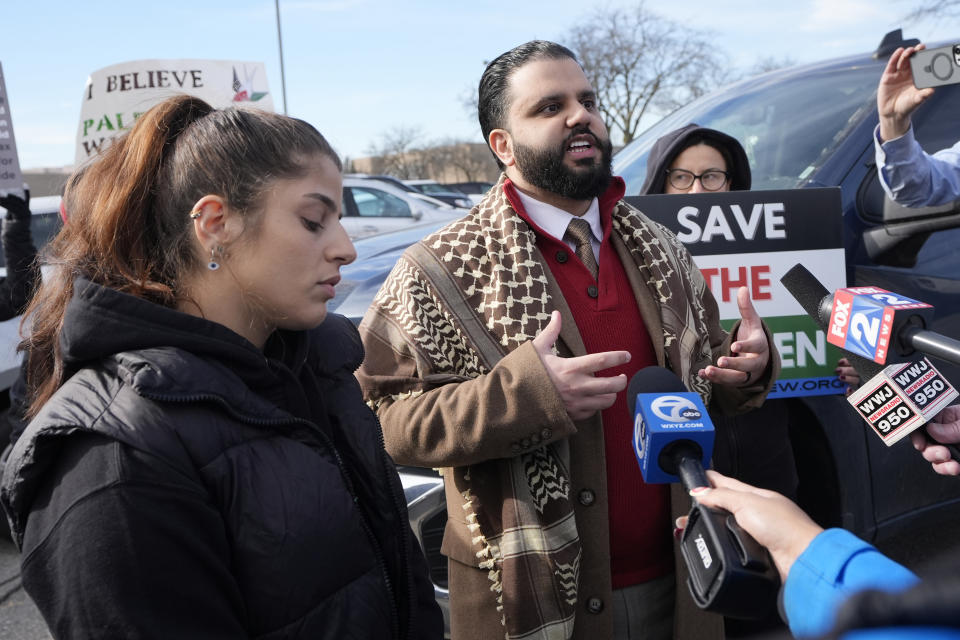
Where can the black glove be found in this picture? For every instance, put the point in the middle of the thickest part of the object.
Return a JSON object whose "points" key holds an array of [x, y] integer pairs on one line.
{"points": [[16, 206]]}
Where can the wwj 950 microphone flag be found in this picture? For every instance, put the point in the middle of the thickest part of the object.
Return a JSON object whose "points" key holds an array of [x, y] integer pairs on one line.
{"points": [[730, 573]]}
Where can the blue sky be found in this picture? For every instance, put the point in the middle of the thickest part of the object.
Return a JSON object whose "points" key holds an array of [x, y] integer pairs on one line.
{"points": [[358, 68]]}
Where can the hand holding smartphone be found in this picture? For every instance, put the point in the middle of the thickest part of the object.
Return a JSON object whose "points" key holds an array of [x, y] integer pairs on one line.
{"points": [[936, 67]]}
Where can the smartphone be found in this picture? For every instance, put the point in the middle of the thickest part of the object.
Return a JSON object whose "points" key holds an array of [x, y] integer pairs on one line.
{"points": [[936, 67]]}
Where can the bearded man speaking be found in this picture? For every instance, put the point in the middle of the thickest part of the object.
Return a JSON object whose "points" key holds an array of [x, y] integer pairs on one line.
{"points": [[499, 350]]}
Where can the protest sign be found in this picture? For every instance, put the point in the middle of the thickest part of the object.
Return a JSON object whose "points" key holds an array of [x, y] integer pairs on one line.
{"points": [[11, 179], [751, 238], [117, 95]]}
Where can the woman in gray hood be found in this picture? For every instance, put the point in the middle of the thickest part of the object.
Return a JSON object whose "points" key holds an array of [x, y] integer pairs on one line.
{"points": [[753, 447]]}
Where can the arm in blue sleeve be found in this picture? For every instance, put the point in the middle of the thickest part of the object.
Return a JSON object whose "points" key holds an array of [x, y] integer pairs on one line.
{"points": [[914, 178], [833, 566]]}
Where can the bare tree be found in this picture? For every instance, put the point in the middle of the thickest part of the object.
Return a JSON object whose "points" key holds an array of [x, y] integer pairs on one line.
{"points": [[770, 63], [458, 160], [639, 61], [468, 99], [398, 152], [934, 9]]}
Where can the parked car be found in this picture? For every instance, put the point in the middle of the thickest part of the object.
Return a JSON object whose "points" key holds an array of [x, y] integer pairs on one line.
{"points": [[812, 126], [807, 126], [403, 186], [474, 190], [372, 207], [440, 192]]}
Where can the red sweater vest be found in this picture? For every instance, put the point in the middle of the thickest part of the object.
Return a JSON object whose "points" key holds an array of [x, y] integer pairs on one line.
{"points": [[608, 319]]}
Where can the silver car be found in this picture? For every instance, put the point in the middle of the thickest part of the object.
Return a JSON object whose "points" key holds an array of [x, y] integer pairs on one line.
{"points": [[372, 207]]}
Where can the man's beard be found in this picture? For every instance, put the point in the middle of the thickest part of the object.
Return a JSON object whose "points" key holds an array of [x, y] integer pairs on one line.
{"points": [[544, 168]]}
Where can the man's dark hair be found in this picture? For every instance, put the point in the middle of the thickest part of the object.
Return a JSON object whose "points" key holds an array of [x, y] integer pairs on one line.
{"points": [[492, 98]]}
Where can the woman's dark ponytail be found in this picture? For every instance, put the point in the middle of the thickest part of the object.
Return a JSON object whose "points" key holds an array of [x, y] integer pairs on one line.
{"points": [[129, 226]]}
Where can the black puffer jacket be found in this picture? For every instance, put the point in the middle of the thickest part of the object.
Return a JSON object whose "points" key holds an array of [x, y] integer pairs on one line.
{"points": [[183, 485]]}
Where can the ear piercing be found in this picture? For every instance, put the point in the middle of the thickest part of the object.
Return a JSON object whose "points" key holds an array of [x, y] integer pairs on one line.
{"points": [[213, 265]]}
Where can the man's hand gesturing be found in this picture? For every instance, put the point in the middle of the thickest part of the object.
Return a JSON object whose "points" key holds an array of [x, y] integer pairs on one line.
{"points": [[750, 351], [582, 392]]}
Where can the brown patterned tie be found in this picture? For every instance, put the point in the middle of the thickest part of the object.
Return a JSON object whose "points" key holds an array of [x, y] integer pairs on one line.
{"points": [[579, 232]]}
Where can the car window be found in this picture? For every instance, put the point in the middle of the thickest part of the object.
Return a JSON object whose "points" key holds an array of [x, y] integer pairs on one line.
{"points": [[373, 203], [788, 125], [934, 253], [43, 226], [936, 128], [935, 122]]}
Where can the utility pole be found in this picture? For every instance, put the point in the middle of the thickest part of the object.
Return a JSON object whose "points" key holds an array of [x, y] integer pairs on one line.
{"points": [[283, 81]]}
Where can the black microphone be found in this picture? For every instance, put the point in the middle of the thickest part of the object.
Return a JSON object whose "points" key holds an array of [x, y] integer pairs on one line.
{"points": [[730, 572], [867, 321], [894, 400]]}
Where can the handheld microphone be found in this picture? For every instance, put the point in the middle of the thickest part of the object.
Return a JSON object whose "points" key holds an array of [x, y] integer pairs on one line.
{"points": [[730, 572], [897, 399], [869, 321]]}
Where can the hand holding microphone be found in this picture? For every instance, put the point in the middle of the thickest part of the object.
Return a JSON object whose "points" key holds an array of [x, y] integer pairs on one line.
{"points": [[730, 573], [772, 519], [943, 429], [897, 399]]}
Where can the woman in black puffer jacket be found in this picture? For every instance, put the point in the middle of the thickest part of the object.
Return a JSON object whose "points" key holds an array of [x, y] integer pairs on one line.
{"points": [[199, 463]]}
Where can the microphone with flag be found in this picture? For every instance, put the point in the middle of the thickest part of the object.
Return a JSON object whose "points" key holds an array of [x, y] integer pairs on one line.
{"points": [[897, 399], [870, 322], [730, 572], [901, 398]]}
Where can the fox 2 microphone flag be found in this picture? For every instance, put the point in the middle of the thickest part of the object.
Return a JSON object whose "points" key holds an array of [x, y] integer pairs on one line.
{"points": [[866, 320]]}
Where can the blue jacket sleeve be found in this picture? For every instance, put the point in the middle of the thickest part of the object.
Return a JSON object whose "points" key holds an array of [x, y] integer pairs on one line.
{"points": [[835, 565], [914, 178]]}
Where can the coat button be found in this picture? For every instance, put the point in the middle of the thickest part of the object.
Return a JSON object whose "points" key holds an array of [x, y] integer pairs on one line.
{"points": [[515, 447], [546, 433], [586, 497], [594, 605], [592, 291], [562, 256], [525, 443]]}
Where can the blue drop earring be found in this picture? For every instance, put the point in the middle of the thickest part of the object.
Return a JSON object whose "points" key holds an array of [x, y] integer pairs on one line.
{"points": [[213, 265]]}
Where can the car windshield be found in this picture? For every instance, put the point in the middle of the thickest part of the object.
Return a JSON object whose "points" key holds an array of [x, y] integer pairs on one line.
{"points": [[788, 122]]}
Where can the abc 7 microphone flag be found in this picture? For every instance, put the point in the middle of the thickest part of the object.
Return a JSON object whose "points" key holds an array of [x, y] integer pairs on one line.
{"points": [[902, 398], [661, 418]]}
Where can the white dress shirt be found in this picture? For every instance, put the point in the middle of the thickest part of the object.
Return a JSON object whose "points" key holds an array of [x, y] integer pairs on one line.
{"points": [[555, 221]]}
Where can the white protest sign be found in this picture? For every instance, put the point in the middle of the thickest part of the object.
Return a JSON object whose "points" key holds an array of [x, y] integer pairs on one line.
{"points": [[117, 95], [750, 239], [11, 179]]}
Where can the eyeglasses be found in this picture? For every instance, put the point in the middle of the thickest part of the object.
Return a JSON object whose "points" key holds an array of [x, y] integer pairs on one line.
{"points": [[712, 180]]}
